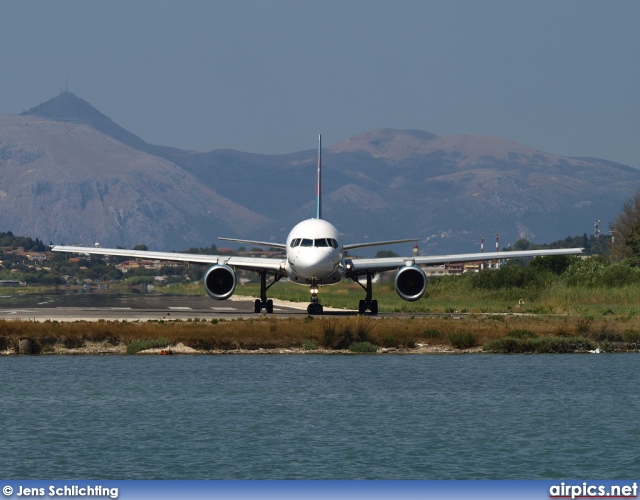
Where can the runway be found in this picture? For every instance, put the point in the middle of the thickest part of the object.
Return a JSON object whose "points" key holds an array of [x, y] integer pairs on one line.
{"points": [[139, 307]]}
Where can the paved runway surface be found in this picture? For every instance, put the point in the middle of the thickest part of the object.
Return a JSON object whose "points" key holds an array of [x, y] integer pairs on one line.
{"points": [[143, 307]]}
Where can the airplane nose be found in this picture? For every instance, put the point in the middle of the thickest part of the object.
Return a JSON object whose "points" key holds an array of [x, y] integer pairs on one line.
{"points": [[315, 264]]}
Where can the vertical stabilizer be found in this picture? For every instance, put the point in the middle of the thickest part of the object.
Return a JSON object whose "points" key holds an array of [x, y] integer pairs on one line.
{"points": [[319, 181]]}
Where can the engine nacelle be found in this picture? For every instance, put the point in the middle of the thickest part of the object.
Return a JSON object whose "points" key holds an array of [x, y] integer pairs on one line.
{"points": [[220, 282], [410, 283]]}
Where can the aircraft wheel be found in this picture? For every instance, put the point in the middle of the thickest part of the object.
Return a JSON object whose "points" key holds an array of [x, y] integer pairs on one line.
{"points": [[374, 307], [270, 306], [314, 308], [258, 306], [362, 307]]}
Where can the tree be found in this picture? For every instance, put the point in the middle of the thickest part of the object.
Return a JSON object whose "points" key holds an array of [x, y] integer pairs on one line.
{"points": [[626, 231]]}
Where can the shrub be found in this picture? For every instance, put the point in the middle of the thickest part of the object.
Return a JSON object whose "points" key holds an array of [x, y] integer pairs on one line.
{"points": [[522, 334], [557, 264], [540, 345], [73, 343], [309, 345], [140, 345], [631, 336], [618, 275], [583, 326], [607, 337], [390, 340], [363, 347], [330, 333], [353, 330], [562, 344], [140, 280], [403, 339], [433, 334], [463, 340], [508, 277], [509, 345]]}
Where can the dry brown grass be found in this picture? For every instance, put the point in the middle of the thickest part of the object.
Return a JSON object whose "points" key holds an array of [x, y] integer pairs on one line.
{"points": [[270, 333]]}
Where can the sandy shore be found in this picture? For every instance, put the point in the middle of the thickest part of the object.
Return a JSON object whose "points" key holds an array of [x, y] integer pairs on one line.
{"points": [[105, 349]]}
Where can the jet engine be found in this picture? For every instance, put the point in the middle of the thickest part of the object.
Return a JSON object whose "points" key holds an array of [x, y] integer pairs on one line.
{"points": [[410, 283], [220, 282]]}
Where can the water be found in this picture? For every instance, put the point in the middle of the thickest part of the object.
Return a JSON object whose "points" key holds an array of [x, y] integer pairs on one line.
{"points": [[317, 417]]}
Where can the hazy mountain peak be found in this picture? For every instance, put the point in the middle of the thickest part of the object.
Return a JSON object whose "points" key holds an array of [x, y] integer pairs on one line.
{"points": [[68, 107], [387, 143], [462, 149]]}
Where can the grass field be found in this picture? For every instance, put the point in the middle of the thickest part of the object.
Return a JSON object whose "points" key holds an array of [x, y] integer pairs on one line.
{"points": [[454, 295], [555, 317]]}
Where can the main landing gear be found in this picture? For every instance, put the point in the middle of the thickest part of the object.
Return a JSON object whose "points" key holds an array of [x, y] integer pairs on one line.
{"points": [[315, 307], [368, 304], [264, 304]]}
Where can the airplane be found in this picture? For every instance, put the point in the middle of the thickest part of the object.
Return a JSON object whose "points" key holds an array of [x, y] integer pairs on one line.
{"points": [[315, 256]]}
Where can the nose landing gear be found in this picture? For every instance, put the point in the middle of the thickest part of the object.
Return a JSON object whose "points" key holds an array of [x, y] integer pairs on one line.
{"points": [[315, 307]]}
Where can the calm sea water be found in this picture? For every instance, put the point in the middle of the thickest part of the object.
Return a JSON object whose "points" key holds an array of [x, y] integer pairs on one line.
{"points": [[315, 417]]}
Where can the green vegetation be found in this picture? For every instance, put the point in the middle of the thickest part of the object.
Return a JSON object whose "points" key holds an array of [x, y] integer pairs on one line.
{"points": [[588, 287], [8, 240], [551, 344], [342, 334], [309, 345], [463, 340], [363, 347], [140, 345]]}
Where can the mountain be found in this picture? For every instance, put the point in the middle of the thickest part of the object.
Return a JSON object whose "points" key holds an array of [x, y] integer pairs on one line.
{"points": [[66, 181], [70, 174]]}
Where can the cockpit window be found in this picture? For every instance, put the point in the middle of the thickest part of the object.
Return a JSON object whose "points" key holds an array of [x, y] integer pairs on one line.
{"points": [[318, 242], [326, 242]]}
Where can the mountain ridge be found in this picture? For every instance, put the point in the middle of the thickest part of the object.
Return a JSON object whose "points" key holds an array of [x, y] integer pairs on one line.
{"points": [[71, 183], [446, 189]]}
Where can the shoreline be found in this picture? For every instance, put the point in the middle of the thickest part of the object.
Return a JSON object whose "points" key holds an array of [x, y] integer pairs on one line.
{"points": [[107, 349], [323, 335]]}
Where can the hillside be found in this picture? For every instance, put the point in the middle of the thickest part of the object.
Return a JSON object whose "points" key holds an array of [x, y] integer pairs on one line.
{"points": [[71, 174], [66, 182]]}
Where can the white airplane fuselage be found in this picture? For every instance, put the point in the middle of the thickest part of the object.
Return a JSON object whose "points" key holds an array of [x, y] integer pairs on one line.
{"points": [[314, 253]]}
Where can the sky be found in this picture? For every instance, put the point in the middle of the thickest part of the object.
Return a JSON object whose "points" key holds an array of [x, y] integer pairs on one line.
{"points": [[268, 76]]}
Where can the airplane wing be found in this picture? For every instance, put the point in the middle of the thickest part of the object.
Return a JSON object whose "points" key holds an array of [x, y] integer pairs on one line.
{"points": [[362, 266], [248, 263], [378, 243], [253, 242]]}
